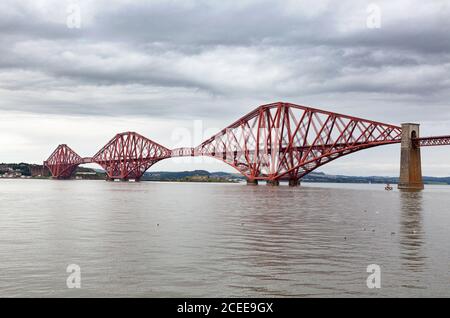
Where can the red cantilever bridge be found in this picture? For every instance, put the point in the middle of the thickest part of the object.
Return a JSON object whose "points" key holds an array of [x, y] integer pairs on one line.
{"points": [[274, 142]]}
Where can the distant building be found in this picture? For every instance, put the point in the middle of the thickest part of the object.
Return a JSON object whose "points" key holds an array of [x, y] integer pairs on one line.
{"points": [[39, 171], [12, 174]]}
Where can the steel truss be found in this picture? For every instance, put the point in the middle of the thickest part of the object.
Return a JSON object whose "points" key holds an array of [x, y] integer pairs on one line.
{"points": [[273, 142]]}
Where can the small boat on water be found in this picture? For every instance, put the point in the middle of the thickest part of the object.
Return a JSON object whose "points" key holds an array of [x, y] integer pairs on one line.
{"points": [[388, 187]]}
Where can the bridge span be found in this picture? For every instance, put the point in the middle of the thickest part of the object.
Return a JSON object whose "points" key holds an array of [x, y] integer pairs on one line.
{"points": [[279, 141]]}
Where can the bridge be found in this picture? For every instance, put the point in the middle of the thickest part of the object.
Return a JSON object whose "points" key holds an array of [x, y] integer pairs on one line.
{"points": [[279, 141]]}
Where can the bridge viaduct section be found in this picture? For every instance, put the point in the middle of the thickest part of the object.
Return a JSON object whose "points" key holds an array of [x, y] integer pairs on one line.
{"points": [[274, 142], [410, 160]]}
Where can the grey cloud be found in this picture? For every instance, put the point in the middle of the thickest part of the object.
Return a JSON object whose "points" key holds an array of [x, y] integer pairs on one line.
{"points": [[188, 58]]}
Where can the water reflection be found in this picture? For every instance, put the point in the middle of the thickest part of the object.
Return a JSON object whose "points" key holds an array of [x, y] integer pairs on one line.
{"points": [[411, 231]]}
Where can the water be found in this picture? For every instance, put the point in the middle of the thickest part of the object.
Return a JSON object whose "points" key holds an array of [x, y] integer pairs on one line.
{"points": [[205, 240]]}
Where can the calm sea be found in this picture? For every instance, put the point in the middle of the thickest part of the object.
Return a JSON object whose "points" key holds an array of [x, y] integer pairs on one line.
{"points": [[153, 239]]}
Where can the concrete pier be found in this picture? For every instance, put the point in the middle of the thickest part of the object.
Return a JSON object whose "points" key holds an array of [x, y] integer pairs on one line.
{"points": [[410, 163], [294, 182], [252, 182], [273, 183]]}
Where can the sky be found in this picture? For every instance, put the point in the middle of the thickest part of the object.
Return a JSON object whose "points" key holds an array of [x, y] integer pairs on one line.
{"points": [[78, 72]]}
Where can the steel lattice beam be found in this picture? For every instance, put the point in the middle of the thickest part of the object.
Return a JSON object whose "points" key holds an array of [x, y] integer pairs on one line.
{"points": [[432, 141], [283, 140], [128, 155], [63, 162]]}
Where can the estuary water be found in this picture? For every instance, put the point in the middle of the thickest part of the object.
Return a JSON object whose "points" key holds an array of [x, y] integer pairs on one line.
{"points": [[154, 239]]}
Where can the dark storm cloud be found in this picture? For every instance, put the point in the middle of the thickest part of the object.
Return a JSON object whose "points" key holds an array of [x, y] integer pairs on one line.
{"points": [[194, 57]]}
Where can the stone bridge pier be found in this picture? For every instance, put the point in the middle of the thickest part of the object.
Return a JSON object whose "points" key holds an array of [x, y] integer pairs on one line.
{"points": [[410, 162]]}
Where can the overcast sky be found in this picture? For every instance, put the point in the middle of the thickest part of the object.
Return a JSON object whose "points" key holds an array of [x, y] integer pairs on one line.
{"points": [[167, 68]]}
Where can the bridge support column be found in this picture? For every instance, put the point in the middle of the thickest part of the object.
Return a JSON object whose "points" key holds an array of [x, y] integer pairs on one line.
{"points": [[294, 182], [273, 183], [253, 182], [410, 163]]}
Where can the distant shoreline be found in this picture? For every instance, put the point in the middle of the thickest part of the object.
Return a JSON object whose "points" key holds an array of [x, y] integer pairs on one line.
{"points": [[226, 182], [27, 171]]}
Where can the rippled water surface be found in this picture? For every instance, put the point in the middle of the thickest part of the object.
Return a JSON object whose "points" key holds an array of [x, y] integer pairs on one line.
{"points": [[204, 240]]}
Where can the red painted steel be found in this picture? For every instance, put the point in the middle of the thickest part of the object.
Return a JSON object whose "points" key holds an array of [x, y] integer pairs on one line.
{"points": [[287, 141], [273, 142], [128, 155], [63, 162], [182, 152], [432, 141]]}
